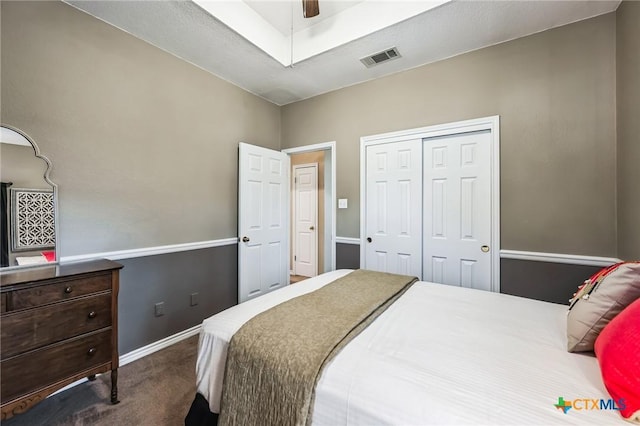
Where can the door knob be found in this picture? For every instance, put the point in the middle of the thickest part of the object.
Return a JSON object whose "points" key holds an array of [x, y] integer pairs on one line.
{"points": [[369, 239], [484, 248], [245, 239], [311, 228]]}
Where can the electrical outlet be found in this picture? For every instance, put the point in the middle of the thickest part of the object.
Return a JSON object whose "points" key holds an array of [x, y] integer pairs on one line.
{"points": [[194, 299], [159, 309]]}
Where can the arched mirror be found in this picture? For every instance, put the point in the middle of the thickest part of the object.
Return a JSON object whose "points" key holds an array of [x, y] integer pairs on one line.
{"points": [[28, 222]]}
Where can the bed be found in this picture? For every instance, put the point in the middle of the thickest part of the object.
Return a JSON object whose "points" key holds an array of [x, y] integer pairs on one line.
{"points": [[438, 355]]}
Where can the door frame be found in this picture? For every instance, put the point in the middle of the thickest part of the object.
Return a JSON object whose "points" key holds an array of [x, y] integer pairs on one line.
{"points": [[294, 215], [492, 124], [330, 198]]}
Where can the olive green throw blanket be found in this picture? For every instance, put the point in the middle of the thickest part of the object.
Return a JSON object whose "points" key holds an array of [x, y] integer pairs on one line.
{"points": [[275, 359]]}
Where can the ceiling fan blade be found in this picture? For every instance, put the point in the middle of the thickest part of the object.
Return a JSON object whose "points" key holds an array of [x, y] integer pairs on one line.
{"points": [[310, 8]]}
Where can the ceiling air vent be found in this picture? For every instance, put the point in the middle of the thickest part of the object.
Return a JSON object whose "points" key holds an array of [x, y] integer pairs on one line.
{"points": [[380, 57]]}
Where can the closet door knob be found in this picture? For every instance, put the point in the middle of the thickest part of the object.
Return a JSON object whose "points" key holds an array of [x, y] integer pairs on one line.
{"points": [[369, 239], [245, 239], [311, 228], [485, 249]]}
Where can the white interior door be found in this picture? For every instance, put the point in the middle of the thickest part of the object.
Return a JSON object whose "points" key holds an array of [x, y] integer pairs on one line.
{"points": [[305, 256], [457, 210], [263, 225], [393, 211]]}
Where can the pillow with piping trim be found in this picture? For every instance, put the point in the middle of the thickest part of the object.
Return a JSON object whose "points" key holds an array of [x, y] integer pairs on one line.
{"points": [[598, 301]]}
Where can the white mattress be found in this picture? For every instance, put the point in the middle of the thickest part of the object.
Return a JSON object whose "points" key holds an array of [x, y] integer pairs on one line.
{"points": [[438, 355]]}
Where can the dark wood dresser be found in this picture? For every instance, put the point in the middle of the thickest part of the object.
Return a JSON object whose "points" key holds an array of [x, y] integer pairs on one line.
{"points": [[59, 323]]}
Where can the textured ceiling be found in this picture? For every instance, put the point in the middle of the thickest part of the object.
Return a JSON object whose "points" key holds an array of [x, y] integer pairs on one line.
{"points": [[188, 31]]}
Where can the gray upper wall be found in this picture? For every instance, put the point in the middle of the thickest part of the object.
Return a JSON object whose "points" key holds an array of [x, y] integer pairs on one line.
{"points": [[628, 82], [143, 145], [555, 94]]}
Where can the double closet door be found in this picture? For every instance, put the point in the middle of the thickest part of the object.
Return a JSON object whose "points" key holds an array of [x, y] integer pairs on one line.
{"points": [[428, 208]]}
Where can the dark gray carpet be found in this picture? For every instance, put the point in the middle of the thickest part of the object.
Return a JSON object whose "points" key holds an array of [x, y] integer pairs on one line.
{"points": [[155, 390]]}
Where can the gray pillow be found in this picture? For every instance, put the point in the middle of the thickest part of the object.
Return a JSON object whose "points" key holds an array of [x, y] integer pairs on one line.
{"points": [[598, 301]]}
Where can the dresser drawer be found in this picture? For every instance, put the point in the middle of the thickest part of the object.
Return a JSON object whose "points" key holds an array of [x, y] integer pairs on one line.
{"points": [[63, 290], [32, 328], [40, 368]]}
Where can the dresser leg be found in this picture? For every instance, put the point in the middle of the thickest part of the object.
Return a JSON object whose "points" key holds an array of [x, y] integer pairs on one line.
{"points": [[114, 386]]}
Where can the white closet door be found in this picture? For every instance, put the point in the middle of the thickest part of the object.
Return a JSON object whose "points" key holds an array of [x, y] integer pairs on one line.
{"points": [[393, 228], [263, 221], [457, 216]]}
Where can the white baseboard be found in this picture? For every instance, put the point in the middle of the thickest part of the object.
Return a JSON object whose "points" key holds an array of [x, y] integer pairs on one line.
{"points": [[571, 259], [160, 344], [144, 351]]}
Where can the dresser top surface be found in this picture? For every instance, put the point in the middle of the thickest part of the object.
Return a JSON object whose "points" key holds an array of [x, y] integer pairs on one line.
{"points": [[54, 271]]}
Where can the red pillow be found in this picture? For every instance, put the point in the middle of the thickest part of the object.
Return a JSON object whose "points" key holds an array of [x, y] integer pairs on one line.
{"points": [[618, 351]]}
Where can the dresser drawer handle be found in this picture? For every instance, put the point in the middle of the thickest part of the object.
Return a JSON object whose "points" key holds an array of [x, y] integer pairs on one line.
{"points": [[92, 314], [68, 289], [92, 351]]}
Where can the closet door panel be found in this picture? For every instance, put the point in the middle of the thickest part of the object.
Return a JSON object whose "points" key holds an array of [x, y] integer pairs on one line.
{"points": [[393, 219], [457, 200]]}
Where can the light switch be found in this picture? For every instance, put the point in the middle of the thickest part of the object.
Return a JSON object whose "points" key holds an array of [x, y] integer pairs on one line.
{"points": [[342, 203]]}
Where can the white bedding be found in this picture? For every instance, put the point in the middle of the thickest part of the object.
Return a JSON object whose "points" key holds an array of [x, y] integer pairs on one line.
{"points": [[438, 355]]}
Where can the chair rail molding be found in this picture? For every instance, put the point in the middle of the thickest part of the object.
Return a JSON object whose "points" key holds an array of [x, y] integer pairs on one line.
{"points": [[571, 259], [348, 240], [151, 251]]}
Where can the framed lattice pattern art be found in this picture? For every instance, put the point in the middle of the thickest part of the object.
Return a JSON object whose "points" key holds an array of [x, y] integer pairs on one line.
{"points": [[32, 220]]}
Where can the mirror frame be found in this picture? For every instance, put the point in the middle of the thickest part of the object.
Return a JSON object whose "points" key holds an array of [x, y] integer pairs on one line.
{"points": [[54, 188]]}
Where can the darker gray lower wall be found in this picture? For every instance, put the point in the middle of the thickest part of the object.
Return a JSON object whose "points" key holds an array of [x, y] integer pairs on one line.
{"points": [[551, 282], [171, 278], [347, 256], [213, 274]]}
